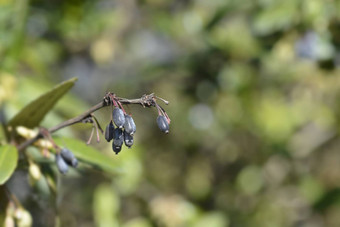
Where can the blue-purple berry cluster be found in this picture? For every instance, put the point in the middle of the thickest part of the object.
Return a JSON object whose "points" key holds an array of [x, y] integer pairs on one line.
{"points": [[122, 128], [123, 132], [64, 159]]}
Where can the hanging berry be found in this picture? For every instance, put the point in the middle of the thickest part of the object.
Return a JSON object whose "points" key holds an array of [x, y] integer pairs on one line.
{"points": [[163, 124], [118, 117]]}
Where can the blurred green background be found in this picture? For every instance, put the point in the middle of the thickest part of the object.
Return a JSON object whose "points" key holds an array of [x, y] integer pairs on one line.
{"points": [[253, 89]]}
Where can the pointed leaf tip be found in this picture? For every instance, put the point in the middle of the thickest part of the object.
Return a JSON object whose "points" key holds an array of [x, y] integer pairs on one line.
{"points": [[33, 113]]}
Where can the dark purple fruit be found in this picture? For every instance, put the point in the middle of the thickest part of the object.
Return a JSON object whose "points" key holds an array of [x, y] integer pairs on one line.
{"points": [[129, 126], [69, 157], [61, 164], [116, 149], [118, 140], [128, 139], [109, 131], [118, 117], [163, 124], [118, 137]]}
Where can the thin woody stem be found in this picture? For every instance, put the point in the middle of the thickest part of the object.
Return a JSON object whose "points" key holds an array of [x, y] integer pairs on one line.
{"points": [[121, 106]]}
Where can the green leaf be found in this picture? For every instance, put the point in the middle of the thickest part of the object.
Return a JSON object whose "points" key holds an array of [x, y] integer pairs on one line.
{"points": [[8, 162], [33, 113], [89, 154]]}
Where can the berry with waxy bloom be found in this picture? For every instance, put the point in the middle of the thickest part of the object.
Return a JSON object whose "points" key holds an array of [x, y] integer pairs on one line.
{"points": [[129, 126], [163, 124], [61, 164], [109, 131], [69, 157], [118, 137], [116, 149], [128, 139], [118, 117]]}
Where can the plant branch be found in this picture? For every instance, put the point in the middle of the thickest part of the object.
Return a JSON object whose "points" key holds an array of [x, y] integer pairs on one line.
{"points": [[145, 101]]}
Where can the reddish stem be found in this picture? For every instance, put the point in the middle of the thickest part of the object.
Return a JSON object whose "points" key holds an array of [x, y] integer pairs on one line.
{"points": [[91, 135], [121, 106]]}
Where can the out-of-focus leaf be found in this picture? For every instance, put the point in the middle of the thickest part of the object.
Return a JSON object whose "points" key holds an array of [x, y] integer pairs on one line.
{"points": [[68, 106], [198, 178], [32, 114], [89, 154], [234, 37], [132, 168], [105, 206], [8, 85], [8, 162], [275, 120], [311, 189], [250, 180]]}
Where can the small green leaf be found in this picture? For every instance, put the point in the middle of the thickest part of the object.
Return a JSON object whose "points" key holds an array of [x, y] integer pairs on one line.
{"points": [[89, 154], [8, 162], [33, 113]]}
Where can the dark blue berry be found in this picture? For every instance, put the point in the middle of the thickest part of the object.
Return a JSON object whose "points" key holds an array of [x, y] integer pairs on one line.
{"points": [[128, 139], [61, 164], [69, 157], [118, 137], [109, 132], [118, 117], [116, 149], [163, 124], [129, 126]]}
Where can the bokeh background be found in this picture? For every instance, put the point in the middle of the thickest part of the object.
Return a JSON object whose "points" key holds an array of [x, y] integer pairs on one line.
{"points": [[254, 90]]}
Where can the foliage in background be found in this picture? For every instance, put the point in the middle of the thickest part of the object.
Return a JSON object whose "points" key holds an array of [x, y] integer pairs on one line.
{"points": [[253, 87]]}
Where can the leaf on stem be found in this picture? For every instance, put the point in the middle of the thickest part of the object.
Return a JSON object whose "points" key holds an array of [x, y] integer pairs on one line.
{"points": [[34, 112]]}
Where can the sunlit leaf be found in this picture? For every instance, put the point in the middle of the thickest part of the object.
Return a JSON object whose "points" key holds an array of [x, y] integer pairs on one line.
{"points": [[8, 162], [33, 113]]}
